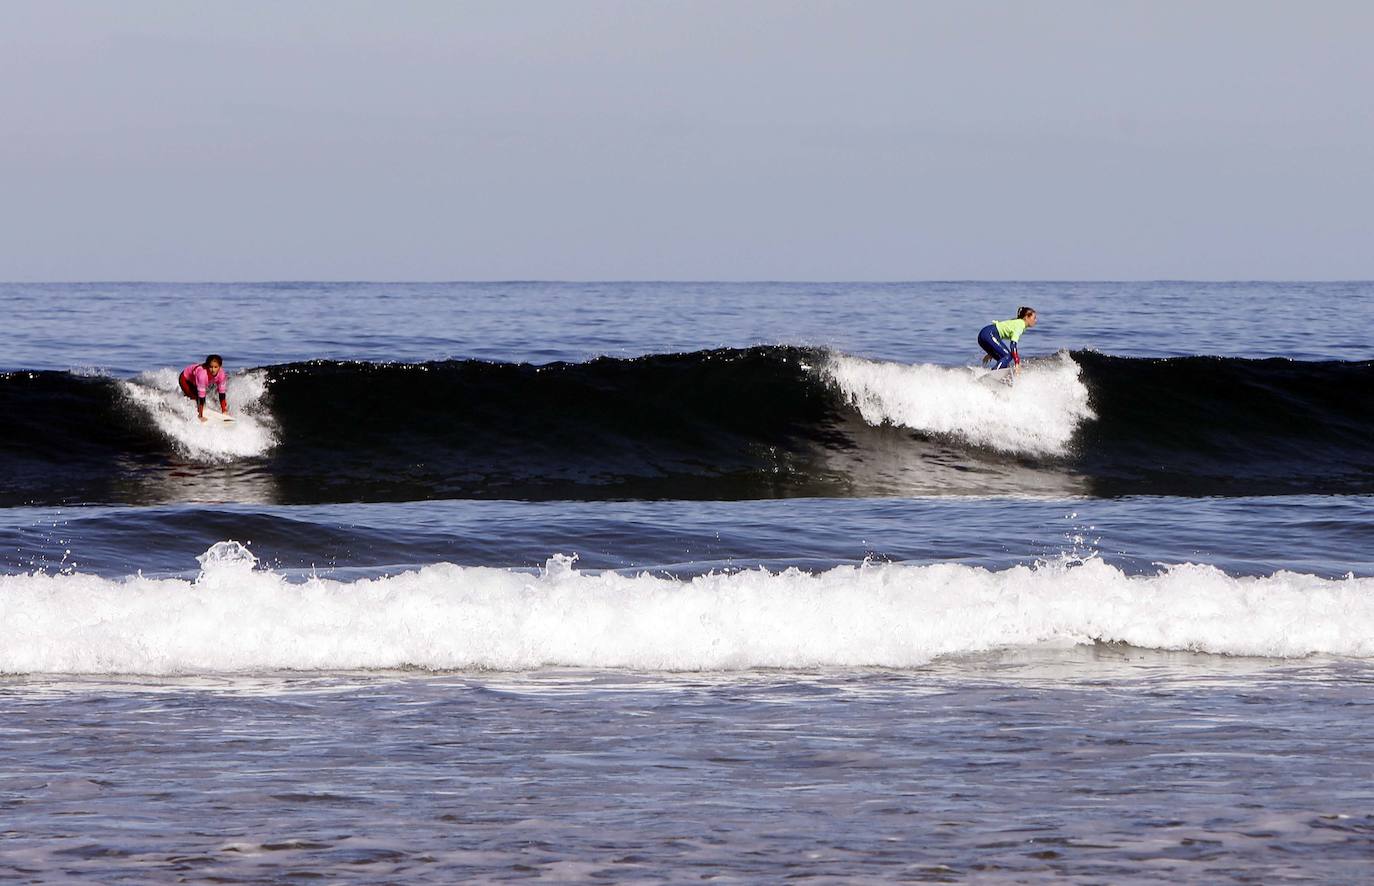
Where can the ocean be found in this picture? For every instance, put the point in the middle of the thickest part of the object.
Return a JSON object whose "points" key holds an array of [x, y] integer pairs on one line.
{"points": [[663, 581]]}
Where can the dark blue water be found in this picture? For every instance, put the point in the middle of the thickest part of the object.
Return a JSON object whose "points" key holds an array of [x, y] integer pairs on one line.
{"points": [[646, 581], [1321, 535]]}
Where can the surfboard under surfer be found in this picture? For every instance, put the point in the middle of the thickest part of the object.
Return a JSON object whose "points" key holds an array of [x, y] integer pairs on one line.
{"points": [[195, 381], [999, 339]]}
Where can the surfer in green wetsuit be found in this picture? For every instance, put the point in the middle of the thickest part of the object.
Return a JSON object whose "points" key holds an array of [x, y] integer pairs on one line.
{"points": [[999, 338]]}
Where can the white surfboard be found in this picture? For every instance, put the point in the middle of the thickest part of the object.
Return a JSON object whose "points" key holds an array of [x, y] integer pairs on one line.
{"points": [[997, 377], [215, 416]]}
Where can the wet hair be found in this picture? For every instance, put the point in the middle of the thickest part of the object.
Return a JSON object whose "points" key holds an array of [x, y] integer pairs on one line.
{"points": [[214, 358], [1022, 311]]}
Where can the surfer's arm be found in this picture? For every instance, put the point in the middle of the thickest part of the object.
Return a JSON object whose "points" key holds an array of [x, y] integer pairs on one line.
{"points": [[223, 402], [200, 407], [1015, 354]]}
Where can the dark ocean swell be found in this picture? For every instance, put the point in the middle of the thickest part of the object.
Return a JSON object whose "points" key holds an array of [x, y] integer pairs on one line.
{"points": [[727, 424]]}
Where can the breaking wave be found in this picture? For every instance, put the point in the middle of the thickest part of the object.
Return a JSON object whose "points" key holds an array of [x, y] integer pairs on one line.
{"points": [[760, 422], [234, 617]]}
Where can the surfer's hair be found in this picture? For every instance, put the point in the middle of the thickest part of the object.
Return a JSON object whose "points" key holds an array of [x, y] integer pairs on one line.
{"points": [[214, 358], [1022, 311]]}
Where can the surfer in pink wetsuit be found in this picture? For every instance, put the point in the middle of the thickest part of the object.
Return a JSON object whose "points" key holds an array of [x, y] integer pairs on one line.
{"points": [[195, 381]]}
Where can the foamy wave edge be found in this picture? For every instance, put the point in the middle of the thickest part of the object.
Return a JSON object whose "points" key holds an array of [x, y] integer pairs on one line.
{"points": [[156, 397], [234, 618], [1038, 416]]}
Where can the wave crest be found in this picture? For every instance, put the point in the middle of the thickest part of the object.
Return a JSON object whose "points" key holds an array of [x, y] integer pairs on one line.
{"points": [[1037, 416], [447, 617]]}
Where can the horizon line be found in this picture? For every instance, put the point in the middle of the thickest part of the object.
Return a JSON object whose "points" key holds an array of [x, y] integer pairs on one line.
{"points": [[648, 280]]}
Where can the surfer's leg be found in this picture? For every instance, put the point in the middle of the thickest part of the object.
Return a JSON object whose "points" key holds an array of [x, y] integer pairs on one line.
{"points": [[987, 337], [987, 340]]}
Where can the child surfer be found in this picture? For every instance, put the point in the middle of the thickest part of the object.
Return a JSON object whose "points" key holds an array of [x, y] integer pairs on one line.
{"points": [[195, 381], [999, 339]]}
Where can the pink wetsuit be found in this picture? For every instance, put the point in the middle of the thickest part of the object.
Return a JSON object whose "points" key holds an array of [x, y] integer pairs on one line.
{"points": [[198, 377]]}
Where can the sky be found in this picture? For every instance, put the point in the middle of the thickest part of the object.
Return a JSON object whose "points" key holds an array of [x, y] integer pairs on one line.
{"points": [[693, 140]]}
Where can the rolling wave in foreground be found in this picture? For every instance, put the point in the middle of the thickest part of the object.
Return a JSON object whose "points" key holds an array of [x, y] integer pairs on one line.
{"points": [[761, 422], [234, 617]]}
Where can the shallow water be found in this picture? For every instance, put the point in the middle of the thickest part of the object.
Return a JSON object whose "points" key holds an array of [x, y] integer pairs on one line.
{"points": [[1096, 763]]}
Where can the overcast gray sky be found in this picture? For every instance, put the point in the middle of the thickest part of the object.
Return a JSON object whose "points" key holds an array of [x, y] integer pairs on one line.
{"points": [[747, 139]]}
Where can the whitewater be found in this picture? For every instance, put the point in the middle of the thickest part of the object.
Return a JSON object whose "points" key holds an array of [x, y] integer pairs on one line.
{"points": [[154, 398], [1038, 415], [234, 617]]}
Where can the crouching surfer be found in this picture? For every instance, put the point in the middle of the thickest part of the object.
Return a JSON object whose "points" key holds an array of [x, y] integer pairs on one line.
{"points": [[999, 339], [195, 381]]}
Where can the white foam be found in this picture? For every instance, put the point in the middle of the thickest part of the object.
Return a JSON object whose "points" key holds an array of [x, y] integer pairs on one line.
{"points": [[223, 556], [156, 395], [1036, 416], [234, 618]]}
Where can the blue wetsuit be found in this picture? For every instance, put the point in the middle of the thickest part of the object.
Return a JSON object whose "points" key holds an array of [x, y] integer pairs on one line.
{"points": [[993, 344]]}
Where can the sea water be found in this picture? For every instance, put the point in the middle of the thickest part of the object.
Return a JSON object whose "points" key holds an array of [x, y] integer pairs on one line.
{"points": [[668, 581]]}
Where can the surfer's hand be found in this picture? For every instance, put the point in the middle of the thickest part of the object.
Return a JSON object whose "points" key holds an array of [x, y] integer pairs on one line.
{"points": [[202, 418]]}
